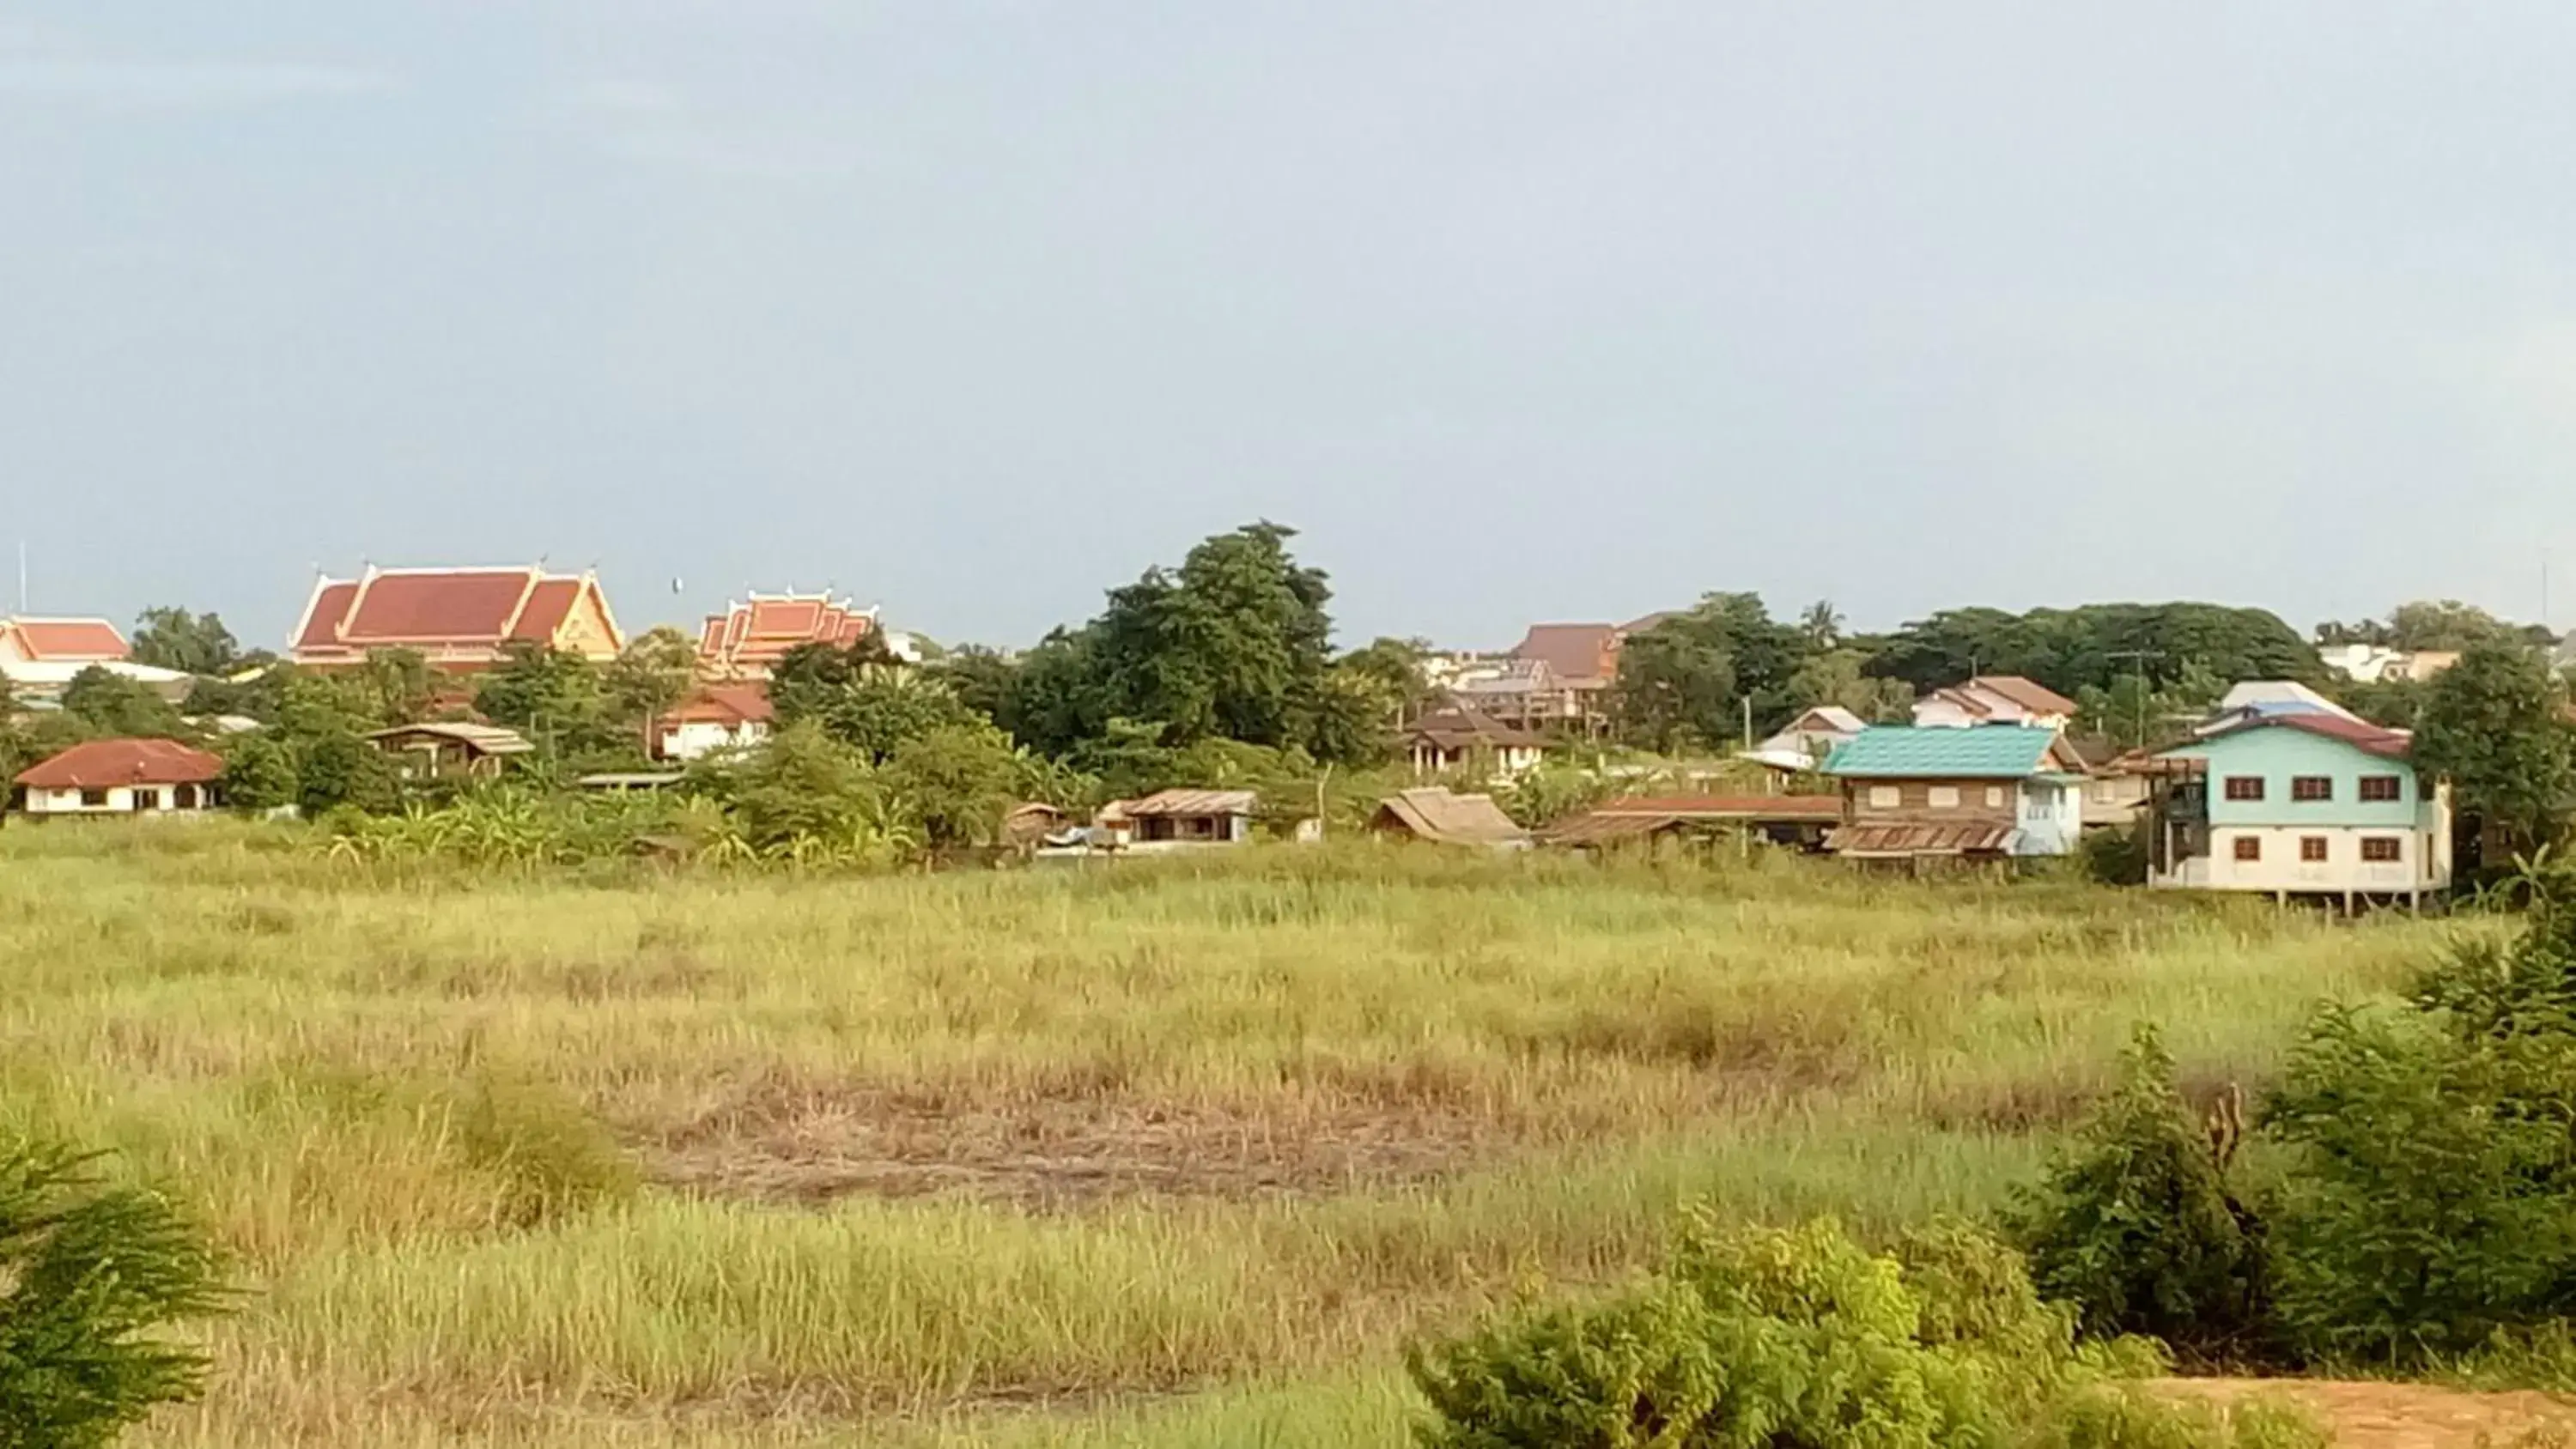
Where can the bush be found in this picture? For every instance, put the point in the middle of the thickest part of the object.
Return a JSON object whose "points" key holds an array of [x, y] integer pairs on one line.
{"points": [[89, 1275], [1784, 1339], [2114, 857], [2136, 1229], [2431, 1208]]}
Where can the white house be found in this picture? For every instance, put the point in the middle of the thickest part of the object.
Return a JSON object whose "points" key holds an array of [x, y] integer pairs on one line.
{"points": [[719, 717], [1992, 699], [1804, 742], [120, 777]]}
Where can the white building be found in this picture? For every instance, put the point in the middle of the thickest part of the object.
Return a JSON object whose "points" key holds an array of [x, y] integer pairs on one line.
{"points": [[719, 717], [120, 777], [1995, 699]]}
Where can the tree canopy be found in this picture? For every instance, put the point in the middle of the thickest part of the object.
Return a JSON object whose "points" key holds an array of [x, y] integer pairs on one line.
{"points": [[2494, 724], [172, 638], [2094, 646]]}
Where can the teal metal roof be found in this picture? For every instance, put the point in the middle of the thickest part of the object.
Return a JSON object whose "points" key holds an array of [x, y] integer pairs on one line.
{"points": [[1996, 751]]}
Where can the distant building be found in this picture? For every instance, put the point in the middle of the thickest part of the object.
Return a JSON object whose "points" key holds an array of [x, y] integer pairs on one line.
{"points": [[40, 657], [1995, 699], [449, 749], [716, 717], [1462, 739], [120, 777], [460, 620], [1799, 821], [1803, 743], [1436, 815], [2302, 803], [1983, 791], [1176, 819], [2276, 696], [748, 639], [2381, 664]]}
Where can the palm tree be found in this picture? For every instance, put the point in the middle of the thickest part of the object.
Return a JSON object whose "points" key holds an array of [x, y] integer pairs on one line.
{"points": [[1824, 625]]}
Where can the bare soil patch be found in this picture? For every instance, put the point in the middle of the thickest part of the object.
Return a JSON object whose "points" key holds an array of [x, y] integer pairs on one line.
{"points": [[2366, 1415], [811, 1143]]}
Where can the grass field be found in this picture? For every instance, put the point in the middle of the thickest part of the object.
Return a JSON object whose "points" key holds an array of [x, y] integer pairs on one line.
{"points": [[1174, 1154]]}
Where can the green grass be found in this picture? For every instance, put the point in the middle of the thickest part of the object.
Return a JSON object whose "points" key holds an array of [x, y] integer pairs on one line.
{"points": [[1172, 1154]]}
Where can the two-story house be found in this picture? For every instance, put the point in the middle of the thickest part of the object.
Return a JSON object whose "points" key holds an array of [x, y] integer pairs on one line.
{"points": [[2299, 803], [1982, 791]]}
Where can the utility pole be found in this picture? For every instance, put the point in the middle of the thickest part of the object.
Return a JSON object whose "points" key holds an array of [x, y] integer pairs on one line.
{"points": [[22, 576], [2139, 658]]}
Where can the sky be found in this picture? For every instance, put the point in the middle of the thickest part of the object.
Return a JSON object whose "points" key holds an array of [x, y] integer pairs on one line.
{"points": [[977, 308]]}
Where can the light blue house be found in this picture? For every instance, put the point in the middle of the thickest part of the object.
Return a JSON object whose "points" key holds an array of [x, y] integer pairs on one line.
{"points": [[2299, 802], [1918, 792]]}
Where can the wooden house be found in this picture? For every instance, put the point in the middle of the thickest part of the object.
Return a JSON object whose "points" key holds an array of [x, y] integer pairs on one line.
{"points": [[449, 749], [1984, 791], [1460, 739], [460, 620]]}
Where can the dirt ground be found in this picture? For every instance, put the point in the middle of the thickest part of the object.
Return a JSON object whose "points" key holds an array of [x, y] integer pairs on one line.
{"points": [[2410, 1416]]}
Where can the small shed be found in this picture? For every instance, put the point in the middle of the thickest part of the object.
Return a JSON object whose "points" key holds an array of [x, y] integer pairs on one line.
{"points": [[1436, 814], [1169, 818], [449, 749], [1031, 823]]}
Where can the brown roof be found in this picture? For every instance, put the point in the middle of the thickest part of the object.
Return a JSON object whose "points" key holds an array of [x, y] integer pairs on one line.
{"points": [[104, 764], [1461, 724], [2030, 694], [725, 704], [1578, 654], [1192, 802], [1597, 827], [1919, 839], [67, 640], [2374, 739], [1437, 815], [1729, 807], [438, 608]]}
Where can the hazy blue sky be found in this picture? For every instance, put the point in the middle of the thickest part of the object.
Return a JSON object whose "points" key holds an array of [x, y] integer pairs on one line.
{"points": [[1517, 310]]}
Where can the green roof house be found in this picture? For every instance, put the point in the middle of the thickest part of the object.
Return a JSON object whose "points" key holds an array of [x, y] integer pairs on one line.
{"points": [[1982, 791]]}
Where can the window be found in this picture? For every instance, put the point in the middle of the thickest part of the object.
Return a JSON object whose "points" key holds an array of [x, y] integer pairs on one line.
{"points": [[1944, 797], [2312, 848], [2382, 849], [1885, 797], [2249, 847], [94, 799], [2312, 787], [2382, 787], [147, 797], [1994, 796], [185, 797], [2244, 787]]}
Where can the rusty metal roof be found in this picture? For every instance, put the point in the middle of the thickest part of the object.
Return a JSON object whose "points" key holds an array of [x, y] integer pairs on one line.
{"points": [[1867, 840], [1193, 802]]}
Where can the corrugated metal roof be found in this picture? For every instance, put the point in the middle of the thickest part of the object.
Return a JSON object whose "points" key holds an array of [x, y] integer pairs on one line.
{"points": [[490, 739], [1193, 802], [1436, 814], [1865, 840], [1729, 807], [1910, 752]]}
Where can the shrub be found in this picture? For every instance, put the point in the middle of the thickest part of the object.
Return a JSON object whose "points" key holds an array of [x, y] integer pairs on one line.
{"points": [[2135, 1227], [2114, 857], [549, 1158], [2432, 1202], [89, 1275], [1784, 1339]]}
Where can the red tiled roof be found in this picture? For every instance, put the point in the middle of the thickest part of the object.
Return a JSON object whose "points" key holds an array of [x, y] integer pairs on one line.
{"points": [[725, 704], [104, 764], [1576, 653], [2374, 739], [67, 640], [437, 609], [759, 632]]}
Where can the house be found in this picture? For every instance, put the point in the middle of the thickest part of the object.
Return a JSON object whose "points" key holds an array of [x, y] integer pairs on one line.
{"points": [[1991, 699], [1523, 693], [120, 777], [41, 657], [1176, 819], [461, 620], [2116, 789], [449, 749], [1435, 814], [2277, 696], [1462, 739], [2382, 664], [715, 717], [1804, 742], [1582, 662], [1798, 821], [748, 639], [1980, 791], [2299, 804]]}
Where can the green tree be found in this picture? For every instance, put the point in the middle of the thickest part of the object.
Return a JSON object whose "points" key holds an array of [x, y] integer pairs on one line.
{"points": [[1840, 677], [2096, 645], [1823, 625], [2447, 624], [2493, 725], [984, 680], [1398, 671], [108, 705], [649, 678], [804, 784], [92, 1277], [873, 708], [957, 780], [172, 638], [260, 771], [1686, 681], [399, 686], [554, 697]]}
